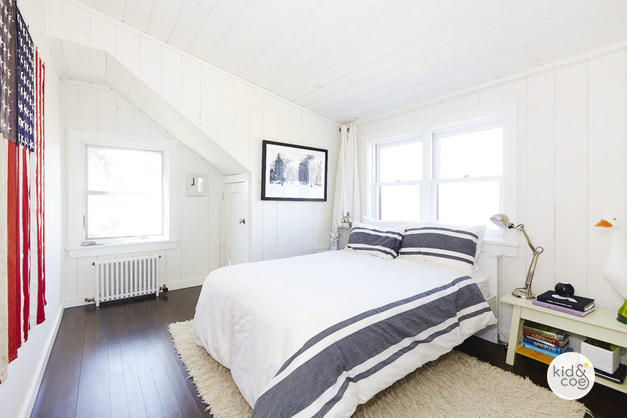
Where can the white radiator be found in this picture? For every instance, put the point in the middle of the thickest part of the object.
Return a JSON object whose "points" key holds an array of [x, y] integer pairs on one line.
{"points": [[126, 277]]}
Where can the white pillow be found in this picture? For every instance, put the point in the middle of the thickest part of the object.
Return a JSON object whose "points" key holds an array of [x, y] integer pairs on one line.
{"points": [[377, 241], [479, 229], [384, 224], [434, 242]]}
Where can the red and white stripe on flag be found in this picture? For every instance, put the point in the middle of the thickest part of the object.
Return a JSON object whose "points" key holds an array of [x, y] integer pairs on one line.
{"points": [[38, 223], [22, 197], [37, 290]]}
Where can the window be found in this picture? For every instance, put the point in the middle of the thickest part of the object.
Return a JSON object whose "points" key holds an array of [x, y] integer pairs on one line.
{"points": [[120, 194], [124, 193], [453, 175], [399, 179]]}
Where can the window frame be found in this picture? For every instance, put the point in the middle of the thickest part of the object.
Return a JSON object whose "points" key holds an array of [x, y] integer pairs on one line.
{"points": [[461, 129], [128, 238], [77, 194], [423, 183], [502, 114]]}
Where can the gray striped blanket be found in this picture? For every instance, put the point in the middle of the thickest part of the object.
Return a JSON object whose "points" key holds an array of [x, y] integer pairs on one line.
{"points": [[351, 361]]}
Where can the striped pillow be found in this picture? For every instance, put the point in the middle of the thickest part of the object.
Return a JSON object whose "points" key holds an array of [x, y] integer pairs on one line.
{"points": [[380, 242], [439, 244]]}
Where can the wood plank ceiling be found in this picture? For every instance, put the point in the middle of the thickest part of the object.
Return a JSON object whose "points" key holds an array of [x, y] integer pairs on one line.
{"points": [[352, 59]]}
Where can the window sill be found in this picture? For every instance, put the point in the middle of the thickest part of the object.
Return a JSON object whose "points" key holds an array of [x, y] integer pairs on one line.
{"points": [[121, 248], [499, 246]]}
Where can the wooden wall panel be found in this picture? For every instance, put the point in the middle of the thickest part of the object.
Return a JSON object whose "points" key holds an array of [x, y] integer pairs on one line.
{"points": [[190, 105], [127, 48], [214, 234], [209, 101], [571, 176], [150, 63], [606, 164], [540, 167], [296, 116], [102, 34], [283, 208], [171, 77], [188, 229], [231, 112], [88, 108], [70, 121], [514, 268], [141, 126], [241, 140], [226, 111], [75, 23], [256, 206], [571, 159], [124, 118], [270, 131], [201, 238], [107, 115], [198, 226]]}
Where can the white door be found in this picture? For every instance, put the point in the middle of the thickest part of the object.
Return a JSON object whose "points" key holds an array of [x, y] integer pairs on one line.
{"points": [[237, 223]]}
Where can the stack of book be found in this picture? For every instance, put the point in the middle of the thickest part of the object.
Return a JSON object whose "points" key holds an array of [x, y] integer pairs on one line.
{"points": [[545, 340], [575, 305]]}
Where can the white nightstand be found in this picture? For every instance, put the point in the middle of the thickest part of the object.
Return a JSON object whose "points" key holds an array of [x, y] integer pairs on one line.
{"points": [[600, 324]]}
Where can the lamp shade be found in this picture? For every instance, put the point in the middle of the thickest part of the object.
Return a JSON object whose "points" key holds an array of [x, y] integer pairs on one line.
{"points": [[501, 220]]}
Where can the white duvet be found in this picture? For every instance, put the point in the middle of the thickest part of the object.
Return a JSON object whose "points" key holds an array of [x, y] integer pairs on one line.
{"points": [[252, 317]]}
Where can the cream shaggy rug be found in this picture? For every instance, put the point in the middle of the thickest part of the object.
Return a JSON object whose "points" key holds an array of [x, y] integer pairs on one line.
{"points": [[457, 385]]}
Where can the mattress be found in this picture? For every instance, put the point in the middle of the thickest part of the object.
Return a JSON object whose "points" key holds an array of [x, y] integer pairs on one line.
{"points": [[483, 281], [279, 325]]}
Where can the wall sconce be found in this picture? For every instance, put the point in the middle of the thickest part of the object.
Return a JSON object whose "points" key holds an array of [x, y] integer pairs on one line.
{"points": [[196, 184]]}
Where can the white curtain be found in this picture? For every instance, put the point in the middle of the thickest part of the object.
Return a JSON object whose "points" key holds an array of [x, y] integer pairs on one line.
{"points": [[347, 197]]}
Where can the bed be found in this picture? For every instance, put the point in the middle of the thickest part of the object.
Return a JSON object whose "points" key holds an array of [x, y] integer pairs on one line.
{"points": [[318, 335]]}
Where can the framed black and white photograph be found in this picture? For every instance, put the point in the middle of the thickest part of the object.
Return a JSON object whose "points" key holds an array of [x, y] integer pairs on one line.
{"points": [[293, 172]]}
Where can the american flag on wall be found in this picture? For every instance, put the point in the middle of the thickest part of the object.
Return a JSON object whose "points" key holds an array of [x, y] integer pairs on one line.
{"points": [[22, 249]]}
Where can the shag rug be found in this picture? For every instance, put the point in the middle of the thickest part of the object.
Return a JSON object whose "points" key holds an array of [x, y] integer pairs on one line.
{"points": [[455, 385]]}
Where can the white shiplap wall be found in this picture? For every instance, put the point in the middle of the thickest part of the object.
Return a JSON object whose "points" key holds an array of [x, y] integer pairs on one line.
{"points": [[178, 85], [282, 229], [278, 229], [571, 165], [96, 108], [232, 112]]}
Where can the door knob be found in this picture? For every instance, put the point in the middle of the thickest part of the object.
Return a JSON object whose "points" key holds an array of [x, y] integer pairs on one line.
{"points": [[242, 220]]}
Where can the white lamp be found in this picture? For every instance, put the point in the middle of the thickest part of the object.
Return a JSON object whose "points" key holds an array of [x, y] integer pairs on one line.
{"points": [[502, 221]]}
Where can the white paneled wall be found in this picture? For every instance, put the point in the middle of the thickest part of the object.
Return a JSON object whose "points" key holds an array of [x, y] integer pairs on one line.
{"points": [[96, 108], [236, 115], [211, 99], [571, 165], [282, 229]]}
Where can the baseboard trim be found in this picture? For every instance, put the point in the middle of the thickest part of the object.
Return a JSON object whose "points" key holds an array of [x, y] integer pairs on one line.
{"points": [[186, 283], [74, 302], [34, 390]]}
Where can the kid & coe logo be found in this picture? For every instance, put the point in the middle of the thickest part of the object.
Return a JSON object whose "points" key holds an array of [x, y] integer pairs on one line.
{"points": [[571, 376]]}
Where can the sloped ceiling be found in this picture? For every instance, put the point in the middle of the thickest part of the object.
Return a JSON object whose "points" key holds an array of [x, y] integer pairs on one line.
{"points": [[351, 59], [95, 66]]}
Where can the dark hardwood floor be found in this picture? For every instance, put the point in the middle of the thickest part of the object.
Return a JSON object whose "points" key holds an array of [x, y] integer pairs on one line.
{"points": [[119, 361]]}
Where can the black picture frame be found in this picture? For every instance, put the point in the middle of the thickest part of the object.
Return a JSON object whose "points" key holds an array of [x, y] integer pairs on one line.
{"points": [[306, 161]]}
